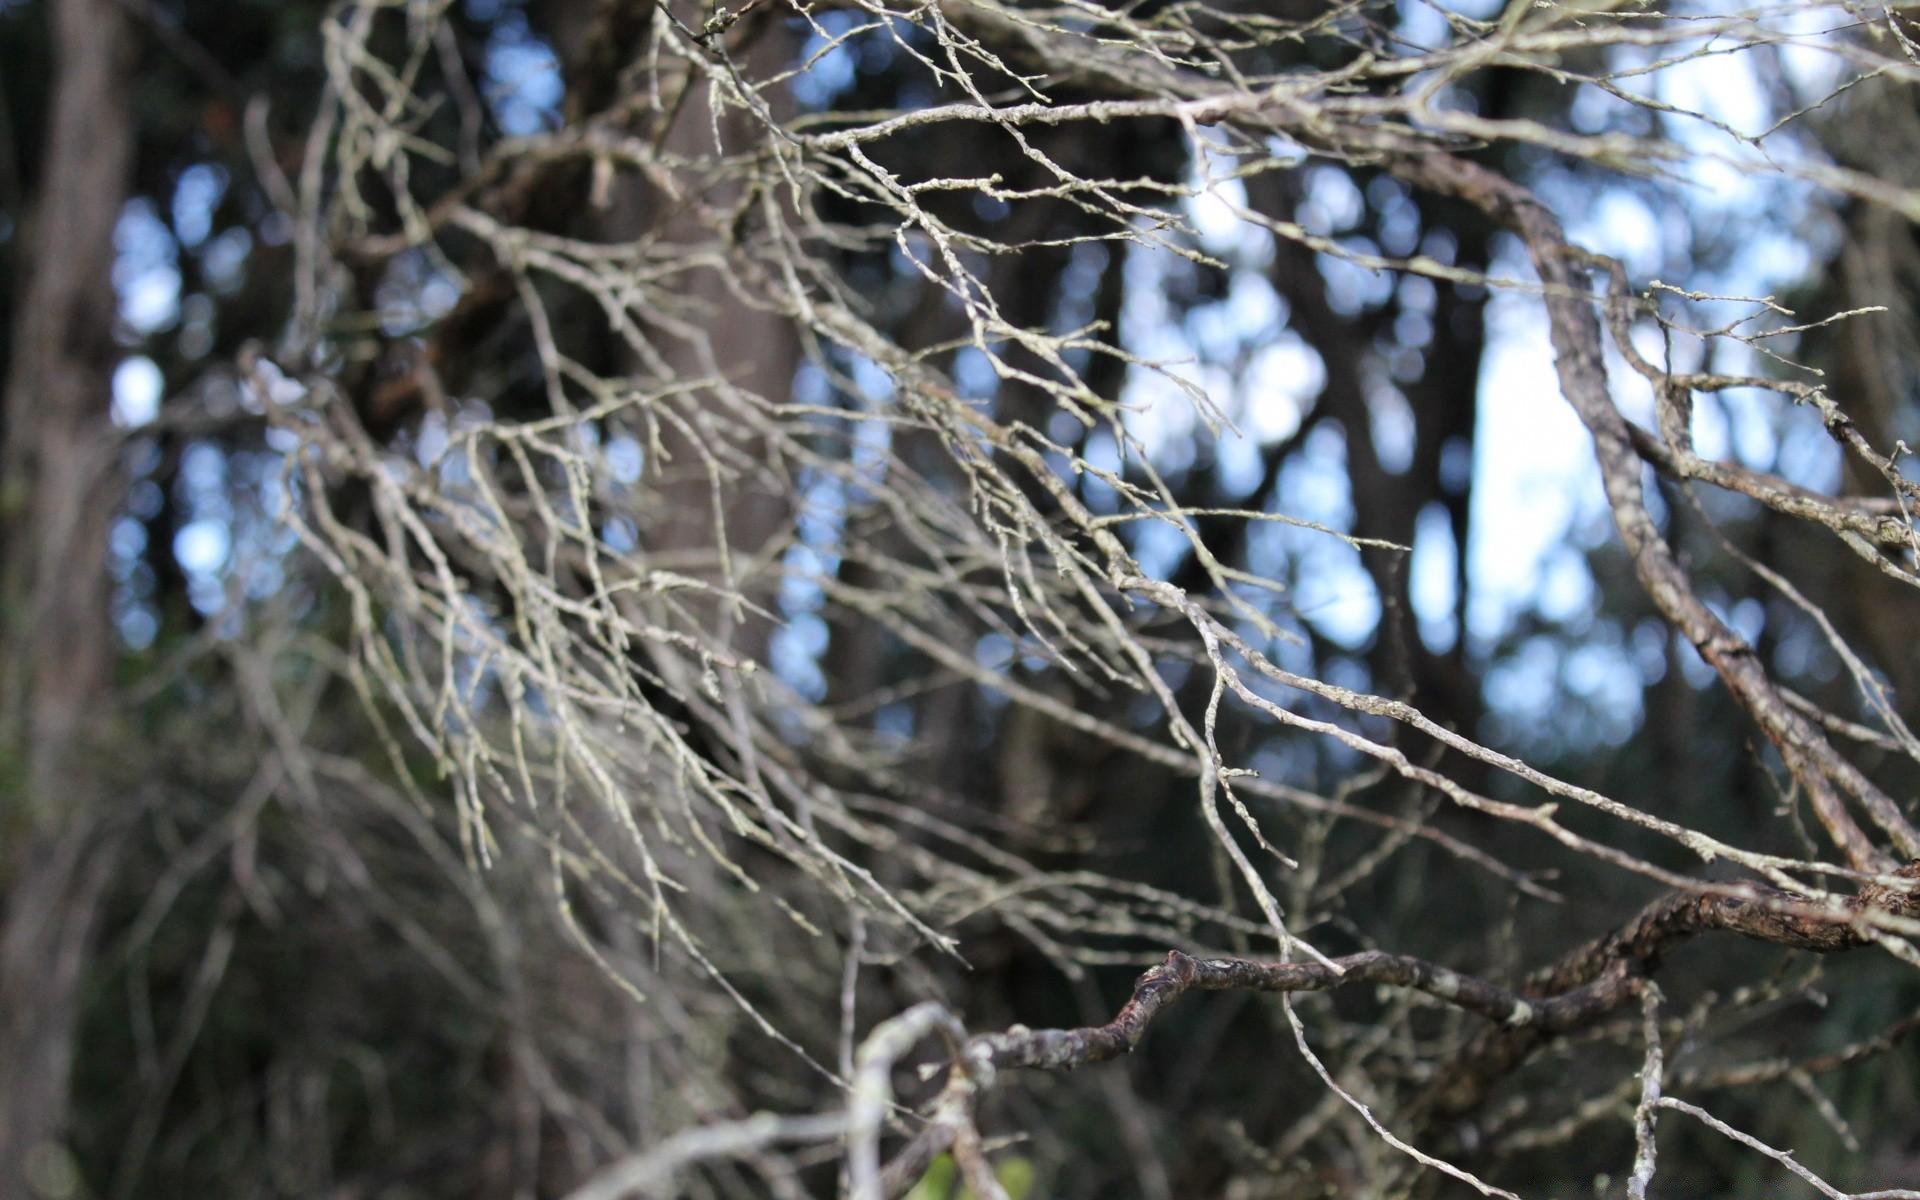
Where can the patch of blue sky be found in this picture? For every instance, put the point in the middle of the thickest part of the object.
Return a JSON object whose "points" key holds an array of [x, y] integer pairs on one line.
{"points": [[204, 542], [1278, 387], [974, 373], [1216, 208], [413, 292], [894, 721], [1102, 452], [1351, 287], [137, 389], [1564, 590], [1598, 673], [794, 651], [830, 61], [823, 515], [796, 645], [1398, 221], [223, 260], [1433, 579], [1807, 53], [1335, 594], [1522, 685], [1698, 672], [1801, 650], [146, 272], [1237, 467], [1332, 204], [1391, 423], [1808, 456], [1079, 285], [1158, 400], [474, 676], [625, 459], [875, 386], [196, 195], [1331, 589], [1314, 484], [812, 385], [1158, 546], [201, 546], [432, 441], [620, 535], [523, 84], [870, 459], [1190, 359], [1748, 617], [993, 652], [1533, 471]]}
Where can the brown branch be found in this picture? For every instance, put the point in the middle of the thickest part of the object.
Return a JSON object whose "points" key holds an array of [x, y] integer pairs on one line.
{"points": [[1574, 992], [1584, 985], [1580, 364], [1863, 516], [1638, 947]]}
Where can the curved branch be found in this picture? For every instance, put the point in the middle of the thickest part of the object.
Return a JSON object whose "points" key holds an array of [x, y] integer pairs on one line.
{"points": [[1579, 361], [1579, 989], [1571, 993], [1862, 517]]}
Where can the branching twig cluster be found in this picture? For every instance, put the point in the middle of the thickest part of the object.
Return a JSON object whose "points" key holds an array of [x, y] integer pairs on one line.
{"points": [[574, 575]]}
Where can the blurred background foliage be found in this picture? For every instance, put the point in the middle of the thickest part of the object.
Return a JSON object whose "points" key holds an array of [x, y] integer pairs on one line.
{"points": [[299, 987]]}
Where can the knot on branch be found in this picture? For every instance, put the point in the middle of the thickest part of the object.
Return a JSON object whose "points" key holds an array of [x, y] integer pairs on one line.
{"points": [[1891, 898], [1726, 644], [1180, 969]]}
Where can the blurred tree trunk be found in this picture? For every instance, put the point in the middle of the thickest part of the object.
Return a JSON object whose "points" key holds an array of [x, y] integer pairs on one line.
{"points": [[1874, 361], [57, 497], [754, 349]]}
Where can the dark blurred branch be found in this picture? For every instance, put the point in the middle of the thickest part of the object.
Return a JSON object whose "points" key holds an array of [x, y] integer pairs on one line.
{"points": [[1772, 1069], [182, 45]]}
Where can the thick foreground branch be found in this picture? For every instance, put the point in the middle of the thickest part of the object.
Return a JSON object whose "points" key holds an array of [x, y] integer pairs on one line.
{"points": [[1579, 989]]}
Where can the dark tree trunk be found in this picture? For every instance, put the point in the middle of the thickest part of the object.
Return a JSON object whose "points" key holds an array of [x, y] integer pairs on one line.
{"points": [[57, 497]]}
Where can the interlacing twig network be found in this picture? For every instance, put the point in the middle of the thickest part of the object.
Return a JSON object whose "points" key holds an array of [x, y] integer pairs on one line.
{"points": [[582, 603]]}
